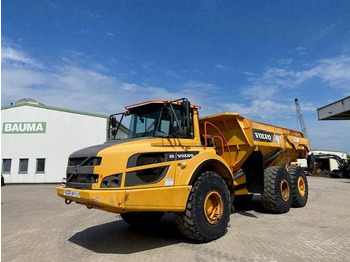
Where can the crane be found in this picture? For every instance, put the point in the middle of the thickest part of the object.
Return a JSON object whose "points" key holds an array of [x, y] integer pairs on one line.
{"points": [[301, 118]]}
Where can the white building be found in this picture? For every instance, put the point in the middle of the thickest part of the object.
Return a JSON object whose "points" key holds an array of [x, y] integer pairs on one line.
{"points": [[37, 140]]}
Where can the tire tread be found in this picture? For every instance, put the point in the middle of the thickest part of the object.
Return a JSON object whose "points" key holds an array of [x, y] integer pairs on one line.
{"points": [[186, 220], [269, 198]]}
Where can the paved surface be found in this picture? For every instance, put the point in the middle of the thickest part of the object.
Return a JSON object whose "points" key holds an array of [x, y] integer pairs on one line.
{"points": [[38, 226]]}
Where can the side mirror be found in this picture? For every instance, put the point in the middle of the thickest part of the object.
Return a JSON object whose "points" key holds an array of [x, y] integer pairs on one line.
{"points": [[113, 122], [185, 108]]}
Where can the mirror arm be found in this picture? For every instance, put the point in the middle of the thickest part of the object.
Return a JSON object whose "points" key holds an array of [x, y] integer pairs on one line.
{"points": [[177, 120], [187, 115], [120, 122]]}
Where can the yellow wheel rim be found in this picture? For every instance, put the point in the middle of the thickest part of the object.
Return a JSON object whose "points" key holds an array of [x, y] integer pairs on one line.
{"points": [[213, 207], [301, 186], [285, 190]]}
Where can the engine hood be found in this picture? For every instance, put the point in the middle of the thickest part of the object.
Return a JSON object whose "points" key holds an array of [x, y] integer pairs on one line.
{"points": [[92, 151]]}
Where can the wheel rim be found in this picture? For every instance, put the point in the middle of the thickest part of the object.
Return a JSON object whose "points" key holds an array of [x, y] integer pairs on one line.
{"points": [[285, 191], [301, 186], [213, 207]]}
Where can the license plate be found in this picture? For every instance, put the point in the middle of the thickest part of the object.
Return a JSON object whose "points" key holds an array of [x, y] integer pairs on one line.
{"points": [[71, 193]]}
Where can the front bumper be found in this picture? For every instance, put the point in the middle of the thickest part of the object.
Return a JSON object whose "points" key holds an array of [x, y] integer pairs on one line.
{"points": [[121, 201]]}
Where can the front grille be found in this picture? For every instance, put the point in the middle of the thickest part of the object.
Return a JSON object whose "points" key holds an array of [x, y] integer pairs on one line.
{"points": [[81, 180], [80, 171]]}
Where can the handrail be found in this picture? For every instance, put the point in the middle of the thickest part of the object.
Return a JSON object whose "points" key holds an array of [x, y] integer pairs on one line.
{"points": [[222, 137], [222, 141]]}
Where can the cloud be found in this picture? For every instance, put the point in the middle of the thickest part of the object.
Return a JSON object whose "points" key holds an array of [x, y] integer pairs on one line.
{"points": [[298, 50], [92, 16], [109, 34], [200, 86], [223, 67], [259, 92], [263, 109], [334, 72], [83, 85], [268, 90], [16, 58], [74, 86], [248, 73], [269, 98], [285, 61]]}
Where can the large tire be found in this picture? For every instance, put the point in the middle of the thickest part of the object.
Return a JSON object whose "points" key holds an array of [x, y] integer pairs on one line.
{"points": [[208, 209], [142, 219], [300, 188], [277, 195]]}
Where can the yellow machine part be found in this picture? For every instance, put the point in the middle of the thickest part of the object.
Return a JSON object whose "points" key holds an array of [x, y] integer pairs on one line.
{"points": [[119, 201], [238, 132]]}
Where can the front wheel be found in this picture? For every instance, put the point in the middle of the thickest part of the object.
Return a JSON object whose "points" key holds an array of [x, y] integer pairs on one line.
{"points": [[208, 209]]}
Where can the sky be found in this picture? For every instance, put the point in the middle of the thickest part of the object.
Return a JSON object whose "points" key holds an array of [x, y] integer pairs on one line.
{"points": [[250, 57]]}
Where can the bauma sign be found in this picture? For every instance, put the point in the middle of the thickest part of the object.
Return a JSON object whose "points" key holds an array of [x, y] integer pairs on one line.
{"points": [[23, 127]]}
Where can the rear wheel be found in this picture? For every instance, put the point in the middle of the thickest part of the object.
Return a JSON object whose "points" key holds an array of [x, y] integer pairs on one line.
{"points": [[300, 189], [208, 209], [140, 219], [277, 195]]}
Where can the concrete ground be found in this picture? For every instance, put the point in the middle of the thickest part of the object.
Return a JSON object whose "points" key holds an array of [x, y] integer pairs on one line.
{"points": [[37, 226]]}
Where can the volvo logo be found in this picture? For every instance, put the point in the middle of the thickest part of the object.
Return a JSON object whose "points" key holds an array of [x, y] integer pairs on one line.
{"points": [[259, 135]]}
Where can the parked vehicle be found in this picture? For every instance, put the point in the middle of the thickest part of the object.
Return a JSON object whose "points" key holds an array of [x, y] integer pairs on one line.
{"points": [[172, 161]]}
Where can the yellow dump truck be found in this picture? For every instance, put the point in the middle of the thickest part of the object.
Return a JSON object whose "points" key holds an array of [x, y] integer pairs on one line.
{"points": [[172, 161]]}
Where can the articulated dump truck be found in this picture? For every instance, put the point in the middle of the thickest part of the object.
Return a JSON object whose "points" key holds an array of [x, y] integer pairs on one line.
{"points": [[173, 161]]}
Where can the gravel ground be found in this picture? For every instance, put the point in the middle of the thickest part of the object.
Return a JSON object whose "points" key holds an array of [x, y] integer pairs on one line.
{"points": [[36, 225]]}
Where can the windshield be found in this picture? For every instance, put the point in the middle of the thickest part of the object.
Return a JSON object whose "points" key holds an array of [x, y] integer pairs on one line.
{"points": [[156, 120]]}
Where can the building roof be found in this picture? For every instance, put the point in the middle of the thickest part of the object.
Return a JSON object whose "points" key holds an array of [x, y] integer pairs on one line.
{"points": [[329, 151], [34, 103], [24, 102], [339, 110]]}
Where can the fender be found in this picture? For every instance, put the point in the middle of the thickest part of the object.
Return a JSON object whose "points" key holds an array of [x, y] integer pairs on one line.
{"points": [[213, 165]]}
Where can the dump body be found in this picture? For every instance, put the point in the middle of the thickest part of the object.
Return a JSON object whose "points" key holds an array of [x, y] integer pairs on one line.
{"points": [[279, 146]]}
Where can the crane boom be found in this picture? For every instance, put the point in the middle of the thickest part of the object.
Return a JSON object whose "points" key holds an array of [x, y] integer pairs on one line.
{"points": [[301, 118]]}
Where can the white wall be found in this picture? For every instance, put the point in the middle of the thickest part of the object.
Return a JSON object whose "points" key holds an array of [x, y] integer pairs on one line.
{"points": [[65, 133]]}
